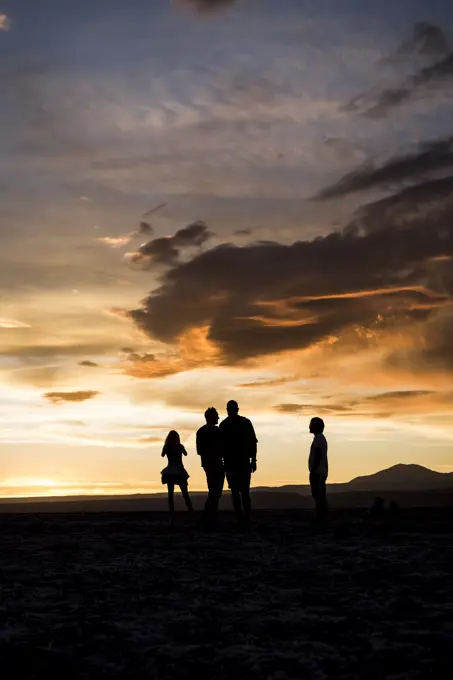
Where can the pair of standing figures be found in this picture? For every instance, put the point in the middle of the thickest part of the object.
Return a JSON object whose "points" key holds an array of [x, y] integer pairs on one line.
{"points": [[226, 451]]}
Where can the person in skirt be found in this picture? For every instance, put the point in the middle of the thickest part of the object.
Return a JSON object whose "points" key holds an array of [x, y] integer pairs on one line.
{"points": [[175, 474]]}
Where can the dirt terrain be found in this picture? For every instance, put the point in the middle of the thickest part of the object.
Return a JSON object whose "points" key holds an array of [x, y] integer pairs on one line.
{"points": [[121, 595]]}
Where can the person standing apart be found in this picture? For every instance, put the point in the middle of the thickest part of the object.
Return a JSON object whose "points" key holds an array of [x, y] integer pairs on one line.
{"points": [[318, 467], [208, 448], [175, 472], [239, 446]]}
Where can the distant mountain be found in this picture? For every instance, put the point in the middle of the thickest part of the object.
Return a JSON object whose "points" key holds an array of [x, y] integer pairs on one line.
{"points": [[398, 477], [403, 478]]}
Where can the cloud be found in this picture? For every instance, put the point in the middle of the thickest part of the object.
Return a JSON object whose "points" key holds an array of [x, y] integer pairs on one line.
{"points": [[428, 49], [379, 104], [145, 228], [266, 298], [38, 351], [431, 200], [192, 350], [167, 250], [120, 241], [148, 366], [117, 312], [275, 382], [432, 348], [426, 40], [400, 395], [12, 323], [68, 397], [44, 377], [313, 409], [431, 157], [116, 241], [402, 403], [89, 364], [5, 23], [206, 6]]}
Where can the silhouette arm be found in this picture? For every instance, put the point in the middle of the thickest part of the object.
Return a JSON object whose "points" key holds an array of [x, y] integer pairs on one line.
{"points": [[253, 447], [184, 452], [317, 459]]}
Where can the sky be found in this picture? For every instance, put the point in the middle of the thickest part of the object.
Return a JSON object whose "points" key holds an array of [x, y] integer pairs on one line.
{"points": [[213, 200]]}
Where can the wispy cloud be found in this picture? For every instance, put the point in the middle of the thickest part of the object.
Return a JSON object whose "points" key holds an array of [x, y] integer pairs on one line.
{"points": [[70, 397], [428, 42], [12, 323], [431, 157], [115, 241], [425, 40]]}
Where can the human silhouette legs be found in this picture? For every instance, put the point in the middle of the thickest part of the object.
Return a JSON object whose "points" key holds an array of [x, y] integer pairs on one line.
{"points": [[246, 505], [237, 504], [215, 479], [185, 495], [171, 500], [318, 491]]}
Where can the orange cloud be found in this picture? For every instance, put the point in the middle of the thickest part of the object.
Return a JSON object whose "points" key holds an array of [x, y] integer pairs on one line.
{"points": [[195, 350], [78, 396]]}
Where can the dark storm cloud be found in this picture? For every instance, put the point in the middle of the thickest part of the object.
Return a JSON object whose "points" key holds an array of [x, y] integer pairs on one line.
{"points": [[431, 157], [65, 397], [411, 207], [269, 297], [145, 228], [88, 364], [425, 40], [167, 250], [429, 48], [378, 105], [434, 75]]}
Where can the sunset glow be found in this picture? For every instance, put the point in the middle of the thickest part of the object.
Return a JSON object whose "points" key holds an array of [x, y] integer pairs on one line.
{"points": [[205, 206]]}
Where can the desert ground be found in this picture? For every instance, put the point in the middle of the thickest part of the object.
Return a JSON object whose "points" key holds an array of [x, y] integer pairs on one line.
{"points": [[121, 595]]}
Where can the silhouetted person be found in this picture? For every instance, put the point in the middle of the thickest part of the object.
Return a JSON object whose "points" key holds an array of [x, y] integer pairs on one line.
{"points": [[377, 510], [175, 472], [239, 454], [319, 468], [209, 449]]}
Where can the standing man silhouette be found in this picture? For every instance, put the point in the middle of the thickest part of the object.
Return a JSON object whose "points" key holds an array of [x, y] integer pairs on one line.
{"points": [[239, 454], [209, 449], [319, 468]]}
